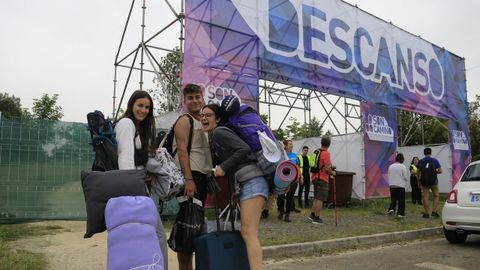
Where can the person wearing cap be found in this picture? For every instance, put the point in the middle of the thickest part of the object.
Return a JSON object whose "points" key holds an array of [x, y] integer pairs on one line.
{"points": [[197, 162], [235, 159]]}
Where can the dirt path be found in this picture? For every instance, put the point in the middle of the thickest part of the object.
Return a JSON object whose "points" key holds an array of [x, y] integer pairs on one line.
{"points": [[69, 250]]}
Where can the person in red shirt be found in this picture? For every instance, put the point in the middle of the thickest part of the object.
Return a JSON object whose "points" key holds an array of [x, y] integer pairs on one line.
{"points": [[320, 180]]}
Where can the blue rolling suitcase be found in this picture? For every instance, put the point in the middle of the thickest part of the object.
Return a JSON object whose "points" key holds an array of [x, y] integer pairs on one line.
{"points": [[221, 249]]}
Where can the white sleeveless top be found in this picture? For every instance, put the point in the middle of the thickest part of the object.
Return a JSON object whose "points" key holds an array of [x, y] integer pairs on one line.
{"points": [[200, 155]]}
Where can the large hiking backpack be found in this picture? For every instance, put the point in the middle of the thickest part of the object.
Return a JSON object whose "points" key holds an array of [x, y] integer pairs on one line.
{"points": [[428, 173], [246, 123], [103, 142], [313, 159]]}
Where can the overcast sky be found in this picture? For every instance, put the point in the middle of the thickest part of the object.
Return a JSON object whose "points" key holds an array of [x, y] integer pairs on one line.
{"points": [[68, 47]]}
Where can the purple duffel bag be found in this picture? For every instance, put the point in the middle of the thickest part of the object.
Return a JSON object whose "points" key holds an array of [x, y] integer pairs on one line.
{"points": [[132, 241]]}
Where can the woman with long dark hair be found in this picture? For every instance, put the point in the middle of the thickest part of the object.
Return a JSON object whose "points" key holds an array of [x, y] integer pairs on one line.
{"points": [[135, 133], [234, 158], [416, 189]]}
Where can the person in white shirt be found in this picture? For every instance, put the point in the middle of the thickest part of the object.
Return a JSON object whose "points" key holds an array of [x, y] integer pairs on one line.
{"points": [[135, 133], [398, 179]]}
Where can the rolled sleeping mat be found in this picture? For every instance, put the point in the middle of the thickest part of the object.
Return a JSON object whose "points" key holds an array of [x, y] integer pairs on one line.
{"points": [[286, 173], [132, 239]]}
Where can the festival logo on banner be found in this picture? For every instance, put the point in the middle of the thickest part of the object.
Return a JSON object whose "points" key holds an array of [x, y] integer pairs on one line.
{"points": [[215, 94], [377, 129], [380, 146], [459, 140]]}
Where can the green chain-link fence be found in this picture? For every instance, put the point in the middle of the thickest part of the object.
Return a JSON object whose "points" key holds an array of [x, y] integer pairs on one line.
{"points": [[40, 164]]}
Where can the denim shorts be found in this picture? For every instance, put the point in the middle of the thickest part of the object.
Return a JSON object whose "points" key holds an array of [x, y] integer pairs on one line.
{"points": [[254, 187]]}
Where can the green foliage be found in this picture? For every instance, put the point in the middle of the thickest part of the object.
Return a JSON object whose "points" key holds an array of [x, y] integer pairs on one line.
{"points": [[46, 108], [280, 134], [264, 118], [294, 130], [474, 127], [12, 232], [20, 259], [166, 96], [26, 114], [435, 130], [11, 106], [314, 129], [297, 131], [410, 125]]}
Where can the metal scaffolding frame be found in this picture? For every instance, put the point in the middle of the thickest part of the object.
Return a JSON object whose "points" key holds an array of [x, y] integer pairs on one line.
{"points": [[337, 116]]}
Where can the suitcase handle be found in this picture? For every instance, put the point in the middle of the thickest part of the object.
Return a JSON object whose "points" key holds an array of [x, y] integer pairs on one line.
{"points": [[230, 205]]}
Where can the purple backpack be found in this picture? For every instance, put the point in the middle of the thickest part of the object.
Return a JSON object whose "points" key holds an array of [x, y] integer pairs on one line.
{"points": [[246, 122]]}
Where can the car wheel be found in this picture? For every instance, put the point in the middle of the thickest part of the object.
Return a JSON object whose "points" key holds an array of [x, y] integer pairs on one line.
{"points": [[453, 237]]}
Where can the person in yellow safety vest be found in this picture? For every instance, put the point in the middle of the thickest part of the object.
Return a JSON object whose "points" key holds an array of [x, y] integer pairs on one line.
{"points": [[416, 189], [304, 189]]}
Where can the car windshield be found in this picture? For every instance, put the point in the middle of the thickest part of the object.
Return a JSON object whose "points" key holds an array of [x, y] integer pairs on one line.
{"points": [[472, 173]]}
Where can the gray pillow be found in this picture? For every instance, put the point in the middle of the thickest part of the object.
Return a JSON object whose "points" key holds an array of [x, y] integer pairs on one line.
{"points": [[99, 187]]}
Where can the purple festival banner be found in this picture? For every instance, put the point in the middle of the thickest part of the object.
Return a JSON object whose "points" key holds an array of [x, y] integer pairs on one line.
{"points": [[460, 147], [220, 52], [380, 145], [328, 46]]}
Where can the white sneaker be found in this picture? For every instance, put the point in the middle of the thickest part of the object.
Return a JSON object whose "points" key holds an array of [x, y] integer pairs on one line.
{"points": [[390, 212], [400, 216]]}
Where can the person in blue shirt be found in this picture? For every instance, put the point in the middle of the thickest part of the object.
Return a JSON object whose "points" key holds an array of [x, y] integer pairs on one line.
{"points": [[284, 210], [423, 167]]}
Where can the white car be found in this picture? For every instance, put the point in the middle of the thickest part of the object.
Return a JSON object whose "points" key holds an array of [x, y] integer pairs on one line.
{"points": [[461, 213]]}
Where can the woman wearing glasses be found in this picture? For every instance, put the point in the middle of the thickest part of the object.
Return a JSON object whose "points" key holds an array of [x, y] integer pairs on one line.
{"points": [[234, 158]]}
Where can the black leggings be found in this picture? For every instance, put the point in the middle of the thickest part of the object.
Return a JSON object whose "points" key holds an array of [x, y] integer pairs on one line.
{"points": [[282, 208], [416, 191], [306, 185], [397, 196]]}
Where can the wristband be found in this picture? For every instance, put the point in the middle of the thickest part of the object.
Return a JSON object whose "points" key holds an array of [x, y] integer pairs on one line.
{"points": [[188, 179]]}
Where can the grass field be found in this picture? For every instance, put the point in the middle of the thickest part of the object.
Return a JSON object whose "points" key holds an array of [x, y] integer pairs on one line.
{"points": [[19, 259], [364, 217]]}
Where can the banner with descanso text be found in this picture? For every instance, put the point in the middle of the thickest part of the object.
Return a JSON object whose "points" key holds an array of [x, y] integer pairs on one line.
{"points": [[380, 145], [337, 48], [326, 45]]}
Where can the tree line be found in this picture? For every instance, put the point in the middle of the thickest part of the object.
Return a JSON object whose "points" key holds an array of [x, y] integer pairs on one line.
{"points": [[44, 108]]}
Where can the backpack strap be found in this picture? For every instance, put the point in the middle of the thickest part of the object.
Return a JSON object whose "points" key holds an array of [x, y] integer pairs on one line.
{"points": [[190, 134], [320, 150]]}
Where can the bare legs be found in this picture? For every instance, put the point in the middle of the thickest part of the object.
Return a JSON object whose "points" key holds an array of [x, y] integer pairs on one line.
{"points": [[250, 211]]}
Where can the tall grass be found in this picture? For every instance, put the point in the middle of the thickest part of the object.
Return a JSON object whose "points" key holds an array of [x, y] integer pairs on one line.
{"points": [[20, 259]]}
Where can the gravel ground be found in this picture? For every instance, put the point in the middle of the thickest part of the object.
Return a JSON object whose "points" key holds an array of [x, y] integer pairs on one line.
{"points": [[68, 249]]}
